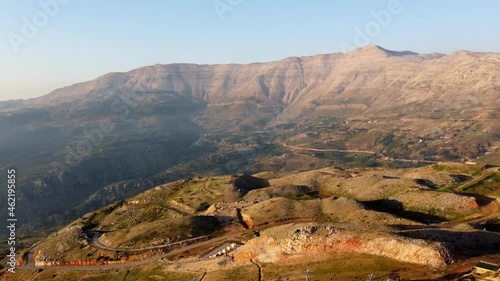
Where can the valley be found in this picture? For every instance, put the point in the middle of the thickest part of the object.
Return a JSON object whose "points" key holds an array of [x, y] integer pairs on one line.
{"points": [[427, 221], [97, 142]]}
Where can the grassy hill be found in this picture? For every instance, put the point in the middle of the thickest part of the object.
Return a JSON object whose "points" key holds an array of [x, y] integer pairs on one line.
{"points": [[206, 205]]}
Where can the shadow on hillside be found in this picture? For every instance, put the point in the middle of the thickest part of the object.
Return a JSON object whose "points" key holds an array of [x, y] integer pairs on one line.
{"points": [[396, 208], [401, 227], [426, 183], [204, 225], [481, 200], [462, 244], [246, 183]]}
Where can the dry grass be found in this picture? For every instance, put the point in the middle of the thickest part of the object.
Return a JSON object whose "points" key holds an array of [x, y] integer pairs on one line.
{"points": [[240, 273], [492, 158], [347, 267], [448, 205], [198, 192], [489, 185], [342, 210], [146, 273], [161, 232]]}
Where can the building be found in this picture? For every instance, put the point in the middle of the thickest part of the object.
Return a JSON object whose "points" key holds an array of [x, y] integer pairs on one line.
{"points": [[486, 267]]}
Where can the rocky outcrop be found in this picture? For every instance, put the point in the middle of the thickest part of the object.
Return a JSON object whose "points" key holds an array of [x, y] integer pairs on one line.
{"points": [[247, 220], [296, 242]]}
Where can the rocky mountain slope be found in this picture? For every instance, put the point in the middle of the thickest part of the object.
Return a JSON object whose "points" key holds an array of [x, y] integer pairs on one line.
{"points": [[291, 243], [82, 143]]}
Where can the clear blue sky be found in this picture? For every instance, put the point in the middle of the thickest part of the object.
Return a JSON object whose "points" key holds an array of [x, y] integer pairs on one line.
{"points": [[87, 38]]}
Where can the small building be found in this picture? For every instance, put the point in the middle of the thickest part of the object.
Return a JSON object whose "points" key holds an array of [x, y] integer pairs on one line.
{"points": [[486, 267]]}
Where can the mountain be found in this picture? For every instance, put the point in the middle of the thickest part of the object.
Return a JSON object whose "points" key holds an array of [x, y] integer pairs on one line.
{"points": [[83, 146]]}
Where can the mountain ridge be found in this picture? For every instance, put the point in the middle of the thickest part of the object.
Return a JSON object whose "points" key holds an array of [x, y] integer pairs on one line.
{"points": [[174, 117], [366, 54]]}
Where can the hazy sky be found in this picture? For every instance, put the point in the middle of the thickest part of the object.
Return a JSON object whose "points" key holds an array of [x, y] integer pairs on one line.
{"points": [[44, 47]]}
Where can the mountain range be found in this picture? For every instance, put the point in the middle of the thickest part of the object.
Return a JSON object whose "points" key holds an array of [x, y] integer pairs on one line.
{"points": [[84, 146]]}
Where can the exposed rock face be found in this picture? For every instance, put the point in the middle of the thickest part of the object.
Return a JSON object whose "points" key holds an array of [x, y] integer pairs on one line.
{"points": [[302, 83], [247, 219], [57, 244], [296, 242]]}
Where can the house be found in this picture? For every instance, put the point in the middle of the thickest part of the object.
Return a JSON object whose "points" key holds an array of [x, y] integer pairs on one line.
{"points": [[486, 267]]}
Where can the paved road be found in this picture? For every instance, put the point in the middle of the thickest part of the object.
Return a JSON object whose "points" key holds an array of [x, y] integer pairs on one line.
{"points": [[355, 151], [326, 150], [136, 263], [94, 236], [232, 236]]}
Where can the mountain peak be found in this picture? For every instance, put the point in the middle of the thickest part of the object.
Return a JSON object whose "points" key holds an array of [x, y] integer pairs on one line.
{"points": [[375, 51], [373, 48]]}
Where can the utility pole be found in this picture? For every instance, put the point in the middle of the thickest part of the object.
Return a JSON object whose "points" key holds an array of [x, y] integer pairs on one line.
{"points": [[371, 277], [308, 273]]}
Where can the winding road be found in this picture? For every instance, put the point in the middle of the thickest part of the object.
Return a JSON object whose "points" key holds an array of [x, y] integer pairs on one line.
{"points": [[31, 266], [355, 151], [231, 236], [94, 237]]}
